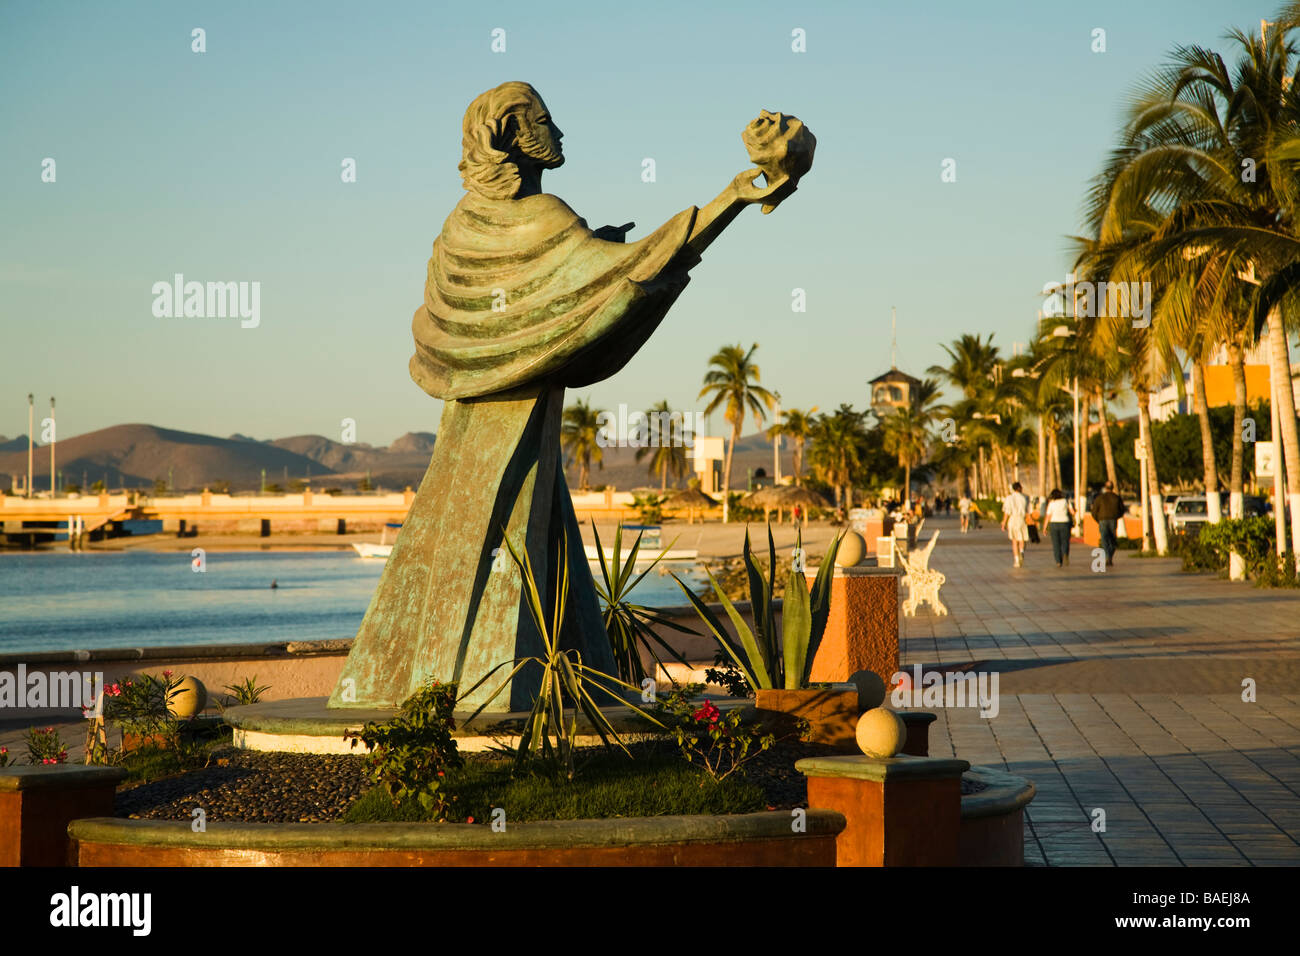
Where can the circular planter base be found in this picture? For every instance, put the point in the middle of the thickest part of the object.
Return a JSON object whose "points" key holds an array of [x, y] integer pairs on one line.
{"points": [[306, 725]]}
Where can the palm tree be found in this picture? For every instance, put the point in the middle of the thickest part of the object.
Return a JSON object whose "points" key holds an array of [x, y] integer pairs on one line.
{"points": [[1211, 153], [906, 435], [796, 425], [666, 451], [579, 437], [732, 380], [838, 445]]}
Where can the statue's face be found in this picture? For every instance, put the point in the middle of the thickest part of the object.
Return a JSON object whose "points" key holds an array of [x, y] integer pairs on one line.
{"points": [[538, 137]]}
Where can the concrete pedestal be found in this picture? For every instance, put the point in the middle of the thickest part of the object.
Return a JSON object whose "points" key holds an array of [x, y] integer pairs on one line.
{"points": [[862, 628], [900, 811]]}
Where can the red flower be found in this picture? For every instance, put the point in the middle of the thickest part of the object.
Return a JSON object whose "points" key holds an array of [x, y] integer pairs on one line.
{"points": [[469, 819], [707, 712], [167, 674]]}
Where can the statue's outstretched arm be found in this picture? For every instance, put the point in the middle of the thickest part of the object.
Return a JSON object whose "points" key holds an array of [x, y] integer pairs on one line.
{"points": [[740, 192]]}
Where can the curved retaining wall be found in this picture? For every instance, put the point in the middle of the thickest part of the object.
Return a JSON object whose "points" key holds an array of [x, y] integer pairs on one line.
{"points": [[992, 821], [752, 839]]}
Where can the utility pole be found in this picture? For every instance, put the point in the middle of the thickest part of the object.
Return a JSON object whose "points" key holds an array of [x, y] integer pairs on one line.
{"points": [[31, 425], [776, 442], [53, 439]]}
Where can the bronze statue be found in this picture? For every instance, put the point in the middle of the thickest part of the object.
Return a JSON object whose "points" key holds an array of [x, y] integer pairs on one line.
{"points": [[522, 301]]}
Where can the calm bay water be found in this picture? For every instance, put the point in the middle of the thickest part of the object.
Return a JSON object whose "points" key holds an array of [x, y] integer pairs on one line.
{"points": [[58, 600]]}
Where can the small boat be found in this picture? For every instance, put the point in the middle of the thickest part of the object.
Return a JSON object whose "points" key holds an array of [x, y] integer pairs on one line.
{"points": [[381, 550]]}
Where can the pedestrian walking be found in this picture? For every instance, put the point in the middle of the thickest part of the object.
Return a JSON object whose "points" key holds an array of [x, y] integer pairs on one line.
{"points": [[1108, 509], [1015, 513], [963, 508], [1060, 517]]}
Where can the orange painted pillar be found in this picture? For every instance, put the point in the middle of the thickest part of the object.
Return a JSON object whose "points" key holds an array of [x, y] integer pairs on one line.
{"points": [[862, 628], [900, 811]]}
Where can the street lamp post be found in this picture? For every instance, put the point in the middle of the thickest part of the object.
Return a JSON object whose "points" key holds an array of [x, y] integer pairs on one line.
{"points": [[53, 438]]}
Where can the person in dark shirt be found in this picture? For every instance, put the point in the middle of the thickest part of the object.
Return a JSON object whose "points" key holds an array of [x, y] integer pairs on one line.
{"points": [[1108, 509]]}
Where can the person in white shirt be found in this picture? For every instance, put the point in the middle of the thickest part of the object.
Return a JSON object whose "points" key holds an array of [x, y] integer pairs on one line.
{"points": [[963, 508], [1059, 518], [1015, 511]]}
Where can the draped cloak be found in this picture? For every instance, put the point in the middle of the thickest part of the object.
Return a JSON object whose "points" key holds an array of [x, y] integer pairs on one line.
{"points": [[521, 301]]}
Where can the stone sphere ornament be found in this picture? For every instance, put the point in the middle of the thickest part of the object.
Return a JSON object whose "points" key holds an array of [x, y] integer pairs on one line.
{"points": [[881, 733], [852, 549], [871, 690], [189, 700], [782, 147]]}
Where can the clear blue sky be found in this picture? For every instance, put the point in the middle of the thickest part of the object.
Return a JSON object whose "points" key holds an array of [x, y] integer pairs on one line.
{"points": [[225, 166]]}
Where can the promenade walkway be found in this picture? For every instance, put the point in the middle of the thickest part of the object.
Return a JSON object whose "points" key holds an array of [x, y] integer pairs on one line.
{"points": [[1121, 692]]}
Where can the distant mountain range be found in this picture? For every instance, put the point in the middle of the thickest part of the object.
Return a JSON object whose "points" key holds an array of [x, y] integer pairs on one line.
{"points": [[135, 456]]}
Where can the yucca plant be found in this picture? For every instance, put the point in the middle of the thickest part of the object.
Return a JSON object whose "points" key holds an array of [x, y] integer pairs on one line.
{"points": [[566, 684], [628, 625], [770, 661]]}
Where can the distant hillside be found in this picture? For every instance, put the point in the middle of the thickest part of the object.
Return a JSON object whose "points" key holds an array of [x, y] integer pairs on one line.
{"points": [[134, 456]]}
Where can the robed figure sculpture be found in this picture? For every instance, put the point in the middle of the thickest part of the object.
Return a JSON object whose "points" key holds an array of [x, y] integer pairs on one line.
{"points": [[522, 301]]}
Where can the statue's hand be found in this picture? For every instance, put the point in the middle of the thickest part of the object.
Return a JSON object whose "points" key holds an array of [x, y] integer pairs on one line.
{"points": [[770, 195], [614, 233]]}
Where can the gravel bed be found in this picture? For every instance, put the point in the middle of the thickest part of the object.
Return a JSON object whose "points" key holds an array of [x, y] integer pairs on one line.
{"points": [[243, 785], [252, 787]]}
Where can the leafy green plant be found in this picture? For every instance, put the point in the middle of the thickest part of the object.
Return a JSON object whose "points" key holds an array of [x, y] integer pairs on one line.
{"points": [[142, 705], [5, 759], [565, 679], [628, 625], [45, 746], [410, 754], [726, 674], [720, 743], [770, 660], [1253, 538], [649, 507], [243, 694]]}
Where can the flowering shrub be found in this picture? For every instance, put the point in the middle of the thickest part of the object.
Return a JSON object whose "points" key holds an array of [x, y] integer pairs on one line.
{"points": [[45, 746], [410, 754], [720, 743], [5, 759], [140, 705]]}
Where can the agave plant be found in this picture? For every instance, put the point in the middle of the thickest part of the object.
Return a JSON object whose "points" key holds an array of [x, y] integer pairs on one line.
{"points": [[629, 625], [770, 661], [566, 683]]}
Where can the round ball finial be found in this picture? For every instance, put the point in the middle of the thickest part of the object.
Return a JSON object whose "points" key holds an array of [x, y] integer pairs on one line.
{"points": [[852, 549], [189, 700], [871, 690], [881, 733]]}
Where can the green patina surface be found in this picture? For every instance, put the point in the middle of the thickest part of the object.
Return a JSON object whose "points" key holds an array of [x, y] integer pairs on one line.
{"points": [[454, 836], [522, 300], [58, 777], [880, 769]]}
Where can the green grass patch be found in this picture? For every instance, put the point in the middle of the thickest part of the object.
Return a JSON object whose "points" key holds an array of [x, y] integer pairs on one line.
{"points": [[658, 783]]}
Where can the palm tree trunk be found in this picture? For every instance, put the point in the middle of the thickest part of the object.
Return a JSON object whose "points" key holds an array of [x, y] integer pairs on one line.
{"points": [[907, 479], [1053, 459], [1153, 480], [798, 462], [1236, 477], [1280, 376], [1082, 490], [1042, 456], [1106, 448], [1213, 509], [726, 474]]}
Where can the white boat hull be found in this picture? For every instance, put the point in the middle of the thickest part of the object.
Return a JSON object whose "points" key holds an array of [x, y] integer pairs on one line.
{"points": [[373, 550]]}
